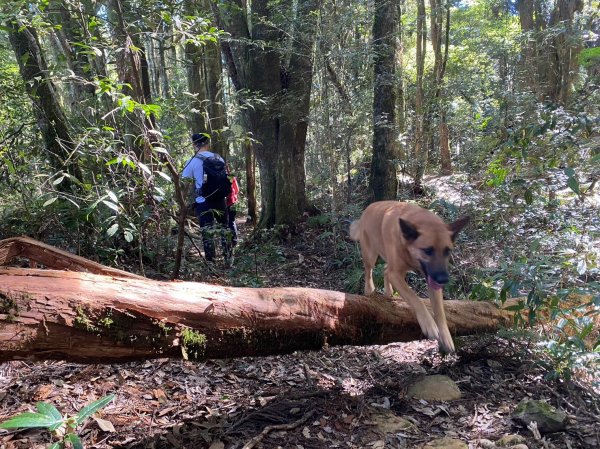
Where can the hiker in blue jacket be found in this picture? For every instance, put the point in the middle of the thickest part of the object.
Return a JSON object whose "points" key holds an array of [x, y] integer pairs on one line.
{"points": [[212, 186]]}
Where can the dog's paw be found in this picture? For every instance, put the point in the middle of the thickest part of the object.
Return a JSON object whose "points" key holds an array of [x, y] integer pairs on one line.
{"points": [[446, 344], [429, 328]]}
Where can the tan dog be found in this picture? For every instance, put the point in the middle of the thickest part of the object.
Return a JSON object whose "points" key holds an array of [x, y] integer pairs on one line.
{"points": [[408, 237]]}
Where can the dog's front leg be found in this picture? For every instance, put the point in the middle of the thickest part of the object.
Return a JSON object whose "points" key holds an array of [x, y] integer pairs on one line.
{"points": [[439, 315], [428, 326]]}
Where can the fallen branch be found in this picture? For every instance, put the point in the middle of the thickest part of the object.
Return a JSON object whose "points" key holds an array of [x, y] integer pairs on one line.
{"points": [[258, 438]]}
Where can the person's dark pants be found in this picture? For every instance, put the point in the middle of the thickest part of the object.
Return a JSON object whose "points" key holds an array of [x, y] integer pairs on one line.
{"points": [[214, 220], [232, 225]]}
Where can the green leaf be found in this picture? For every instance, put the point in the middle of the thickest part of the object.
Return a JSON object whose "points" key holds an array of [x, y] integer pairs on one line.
{"points": [[516, 308], [50, 201], [569, 172], [58, 181], [74, 440], [57, 445], [29, 420], [128, 236], [164, 176], [574, 185], [49, 410], [145, 168], [112, 196], [112, 230], [92, 408], [112, 205]]}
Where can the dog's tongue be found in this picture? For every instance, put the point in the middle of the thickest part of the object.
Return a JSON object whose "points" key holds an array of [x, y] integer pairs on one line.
{"points": [[433, 285]]}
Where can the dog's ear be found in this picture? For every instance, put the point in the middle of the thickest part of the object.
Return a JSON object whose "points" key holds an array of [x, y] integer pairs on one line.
{"points": [[457, 226], [409, 231]]}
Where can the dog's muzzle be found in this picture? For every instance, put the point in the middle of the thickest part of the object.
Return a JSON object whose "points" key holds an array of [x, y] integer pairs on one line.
{"points": [[436, 279]]}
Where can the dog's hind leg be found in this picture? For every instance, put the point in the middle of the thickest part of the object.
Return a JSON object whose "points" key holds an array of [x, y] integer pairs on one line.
{"points": [[387, 285], [428, 325], [439, 315], [369, 286], [369, 258]]}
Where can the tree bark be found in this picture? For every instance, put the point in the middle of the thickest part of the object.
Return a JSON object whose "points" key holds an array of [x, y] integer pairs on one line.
{"points": [[551, 50], [68, 36], [40, 88], [106, 315], [250, 165], [445, 147], [132, 68], [383, 182], [204, 70], [421, 150], [275, 68], [90, 318]]}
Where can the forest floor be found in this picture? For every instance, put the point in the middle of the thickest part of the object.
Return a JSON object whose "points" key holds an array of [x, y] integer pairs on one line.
{"points": [[340, 397]]}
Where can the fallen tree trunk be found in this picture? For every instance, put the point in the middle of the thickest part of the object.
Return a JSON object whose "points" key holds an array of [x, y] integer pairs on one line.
{"points": [[49, 314], [41, 253]]}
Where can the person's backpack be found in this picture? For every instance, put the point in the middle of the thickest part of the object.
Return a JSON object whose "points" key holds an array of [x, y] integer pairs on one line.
{"points": [[232, 198], [216, 182]]}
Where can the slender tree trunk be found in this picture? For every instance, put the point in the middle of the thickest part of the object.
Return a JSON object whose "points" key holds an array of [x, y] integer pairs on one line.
{"points": [[445, 146], [132, 67], [195, 84], [152, 68], [213, 70], [251, 181], [439, 70], [400, 100], [162, 68], [421, 150], [383, 183], [40, 88]]}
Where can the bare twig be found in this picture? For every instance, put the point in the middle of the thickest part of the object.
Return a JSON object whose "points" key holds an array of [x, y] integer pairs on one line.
{"points": [[258, 438]]}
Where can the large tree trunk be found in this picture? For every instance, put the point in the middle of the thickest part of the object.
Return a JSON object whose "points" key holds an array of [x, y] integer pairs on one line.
{"points": [[384, 182], [204, 70], [93, 318], [551, 50], [261, 69], [293, 125], [69, 36], [40, 88]]}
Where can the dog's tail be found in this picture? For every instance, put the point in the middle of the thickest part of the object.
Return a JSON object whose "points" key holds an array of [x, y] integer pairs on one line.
{"points": [[355, 230]]}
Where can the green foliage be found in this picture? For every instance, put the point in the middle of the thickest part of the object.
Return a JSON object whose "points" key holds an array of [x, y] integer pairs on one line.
{"points": [[589, 57], [62, 428], [193, 343]]}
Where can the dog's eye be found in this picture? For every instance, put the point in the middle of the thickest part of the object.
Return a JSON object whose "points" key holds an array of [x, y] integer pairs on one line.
{"points": [[447, 252], [428, 251]]}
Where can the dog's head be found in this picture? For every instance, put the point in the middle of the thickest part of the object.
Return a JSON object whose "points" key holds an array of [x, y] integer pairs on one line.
{"points": [[429, 244]]}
